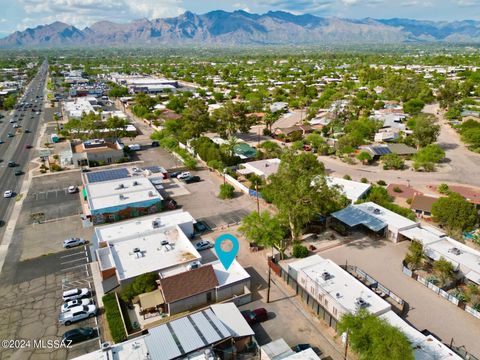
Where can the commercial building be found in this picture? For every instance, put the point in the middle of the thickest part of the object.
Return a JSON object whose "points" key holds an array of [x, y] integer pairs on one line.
{"points": [[219, 331], [76, 108], [96, 152], [150, 244], [145, 84], [119, 199]]}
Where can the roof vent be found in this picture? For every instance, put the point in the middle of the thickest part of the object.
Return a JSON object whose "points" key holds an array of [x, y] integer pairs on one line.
{"points": [[121, 197], [376, 211], [326, 275], [135, 183], [105, 346], [360, 303], [136, 250], [151, 194], [120, 186], [455, 251], [156, 223], [338, 295]]}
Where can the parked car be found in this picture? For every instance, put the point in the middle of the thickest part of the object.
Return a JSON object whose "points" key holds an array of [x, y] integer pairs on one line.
{"points": [[79, 335], [300, 347], [155, 144], [174, 174], [18, 172], [8, 194], [27, 131], [72, 189], [194, 265], [192, 179], [12, 163], [73, 242], [255, 316], [74, 303], [184, 175], [28, 146], [203, 245], [1, 141], [77, 313], [74, 294], [10, 135]]}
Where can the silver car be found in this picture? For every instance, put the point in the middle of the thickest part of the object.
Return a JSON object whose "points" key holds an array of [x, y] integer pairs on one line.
{"points": [[73, 242]]}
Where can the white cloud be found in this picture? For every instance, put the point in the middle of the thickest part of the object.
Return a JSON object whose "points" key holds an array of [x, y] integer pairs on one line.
{"points": [[82, 13]]}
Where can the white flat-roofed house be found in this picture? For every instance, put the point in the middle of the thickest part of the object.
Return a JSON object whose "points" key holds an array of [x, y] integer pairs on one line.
{"points": [[334, 289], [263, 168], [109, 201], [353, 190]]}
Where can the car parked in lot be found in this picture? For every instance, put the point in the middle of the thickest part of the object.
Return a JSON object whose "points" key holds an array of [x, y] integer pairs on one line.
{"points": [[184, 175], [11, 163], [74, 303], [72, 189], [10, 135], [28, 146], [68, 243], [8, 194], [18, 172], [174, 174], [78, 335], [77, 313], [255, 316], [300, 347], [74, 294], [203, 245], [191, 179]]}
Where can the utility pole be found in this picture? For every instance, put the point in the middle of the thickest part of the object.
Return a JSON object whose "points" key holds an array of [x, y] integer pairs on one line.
{"points": [[269, 277], [346, 346], [258, 202]]}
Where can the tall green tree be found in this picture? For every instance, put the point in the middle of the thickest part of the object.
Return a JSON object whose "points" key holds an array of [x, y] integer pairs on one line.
{"points": [[300, 192], [265, 230], [425, 129], [455, 213], [195, 118], [372, 338], [444, 270], [415, 255]]}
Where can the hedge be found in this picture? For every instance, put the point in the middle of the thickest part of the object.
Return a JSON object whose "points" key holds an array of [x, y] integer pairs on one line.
{"points": [[114, 318]]}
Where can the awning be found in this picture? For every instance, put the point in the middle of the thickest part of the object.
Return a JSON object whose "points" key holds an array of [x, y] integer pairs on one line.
{"points": [[84, 193], [473, 276], [151, 299]]}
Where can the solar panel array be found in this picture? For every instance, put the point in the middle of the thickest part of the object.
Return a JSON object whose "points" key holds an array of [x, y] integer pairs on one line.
{"points": [[153, 169], [381, 150], [107, 175]]}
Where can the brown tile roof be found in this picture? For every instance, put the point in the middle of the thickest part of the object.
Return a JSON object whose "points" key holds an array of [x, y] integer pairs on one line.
{"points": [[407, 192], [471, 194], [423, 202], [188, 283]]}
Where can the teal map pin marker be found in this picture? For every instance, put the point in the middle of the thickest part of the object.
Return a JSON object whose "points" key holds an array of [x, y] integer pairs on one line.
{"points": [[226, 257]]}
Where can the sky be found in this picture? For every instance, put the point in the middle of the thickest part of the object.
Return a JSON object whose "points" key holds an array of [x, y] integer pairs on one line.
{"points": [[20, 14]]}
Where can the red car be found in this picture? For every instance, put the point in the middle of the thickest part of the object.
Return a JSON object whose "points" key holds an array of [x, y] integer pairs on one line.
{"points": [[255, 316], [28, 146]]}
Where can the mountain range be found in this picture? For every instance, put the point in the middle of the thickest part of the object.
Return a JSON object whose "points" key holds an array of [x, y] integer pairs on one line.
{"points": [[243, 28]]}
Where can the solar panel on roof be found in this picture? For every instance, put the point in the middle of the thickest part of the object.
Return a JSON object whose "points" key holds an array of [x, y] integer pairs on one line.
{"points": [[153, 169], [107, 175], [381, 150]]}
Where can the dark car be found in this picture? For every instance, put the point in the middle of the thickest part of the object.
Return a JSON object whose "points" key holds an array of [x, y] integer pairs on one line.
{"points": [[12, 163], [155, 144], [10, 135], [28, 146], [300, 347], [78, 335], [27, 131], [18, 172], [192, 179], [255, 316], [174, 174]]}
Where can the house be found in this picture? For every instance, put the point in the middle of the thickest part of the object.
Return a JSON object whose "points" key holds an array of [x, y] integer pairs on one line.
{"points": [[279, 350], [373, 217], [118, 199], [262, 168], [422, 204], [219, 331], [401, 149], [353, 190], [278, 106], [207, 284], [150, 244], [377, 150], [244, 151], [471, 194], [384, 135], [96, 152], [293, 132]]}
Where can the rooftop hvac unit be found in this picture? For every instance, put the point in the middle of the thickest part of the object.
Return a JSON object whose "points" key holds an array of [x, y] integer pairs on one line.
{"points": [[120, 186], [376, 211], [326, 275], [361, 303], [136, 250], [156, 223], [105, 346]]}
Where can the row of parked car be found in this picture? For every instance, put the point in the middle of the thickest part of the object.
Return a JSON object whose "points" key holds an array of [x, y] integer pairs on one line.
{"points": [[78, 305], [185, 176]]}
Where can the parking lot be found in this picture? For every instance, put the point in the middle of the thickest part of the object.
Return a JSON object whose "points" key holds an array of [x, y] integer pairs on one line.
{"points": [[32, 299]]}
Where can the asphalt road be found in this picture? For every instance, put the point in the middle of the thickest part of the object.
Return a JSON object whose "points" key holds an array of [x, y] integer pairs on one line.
{"points": [[14, 148]]}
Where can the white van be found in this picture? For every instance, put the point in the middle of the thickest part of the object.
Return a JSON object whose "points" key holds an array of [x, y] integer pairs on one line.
{"points": [[134, 147]]}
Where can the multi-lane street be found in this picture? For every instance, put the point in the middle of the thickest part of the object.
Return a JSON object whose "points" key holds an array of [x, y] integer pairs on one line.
{"points": [[23, 123]]}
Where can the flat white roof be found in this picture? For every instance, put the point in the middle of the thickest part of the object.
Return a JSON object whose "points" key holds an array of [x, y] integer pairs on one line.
{"points": [[307, 354], [135, 349], [353, 190], [106, 194], [343, 287], [235, 273], [77, 107], [265, 167], [387, 216], [232, 318], [425, 347], [138, 227], [277, 349], [144, 254], [421, 234]]}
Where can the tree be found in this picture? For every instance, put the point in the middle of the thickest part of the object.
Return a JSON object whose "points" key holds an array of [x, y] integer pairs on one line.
{"points": [[227, 191], [9, 102], [232, 117], [364, 157], [427, 157], [265, 230], [448, 94], [392, 161], [195, 118], [413, 106], [117, 91], [415, 255], [444, 270], [443, 189], [455, 213], [297, 197], [425, 130], [373, 338]]}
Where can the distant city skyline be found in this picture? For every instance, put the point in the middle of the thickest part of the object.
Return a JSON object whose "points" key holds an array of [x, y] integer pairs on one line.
{"points": [[21, 14]]}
